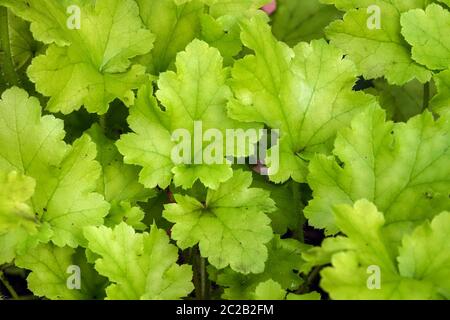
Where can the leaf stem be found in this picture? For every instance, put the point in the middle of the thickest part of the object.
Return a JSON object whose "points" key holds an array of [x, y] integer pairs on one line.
{"points": [[8, 286], [8, 65], [296, 199], [304, 288], [102, 122], [426, 96], [203, 278], [200, 276]]}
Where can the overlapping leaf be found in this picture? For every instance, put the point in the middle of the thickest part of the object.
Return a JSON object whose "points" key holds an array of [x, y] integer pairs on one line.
{"points": [[92, 62], [23, 46], [403, 168], [57, 272], [174, 26], [283, 263], [176, 23], [378, 51], [375, 269], [194, 101], [427, 32], [305, 93], [441, 101], [119, 183], [66, 176], [140, 266], [15, 193]]}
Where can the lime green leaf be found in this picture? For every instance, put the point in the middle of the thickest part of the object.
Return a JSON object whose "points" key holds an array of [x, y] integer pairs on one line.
{"points": [[15, 210], [306, 93], [222, 33], [283, 263], [404, 169], [48, 18], [319, 256], [176, 23], [378, 51], [54, 273], [94, 67], [219, 8], [195, 96], [64, 200], [347, 280], [139, 147], [441, 101], [174, 26], [269, 290], [119, 179], [119, 183], [81, 83], [231, 227], [140, 266], [427, 31], [9, 242], [73, 204], [22, 115], [123, 212], [369, 270], [295, 21], [425, 254]]}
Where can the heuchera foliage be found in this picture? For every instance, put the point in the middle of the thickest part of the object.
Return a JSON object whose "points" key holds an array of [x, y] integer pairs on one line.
{"points": [[93, 206]]}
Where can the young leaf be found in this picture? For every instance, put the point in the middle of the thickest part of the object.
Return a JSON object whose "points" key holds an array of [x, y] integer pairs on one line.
{"points": [[427, 32], [269, 290], [223, 34]]}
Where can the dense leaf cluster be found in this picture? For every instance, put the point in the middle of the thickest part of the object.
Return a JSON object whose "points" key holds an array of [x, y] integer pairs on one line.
{"points": [[87, 181]]}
